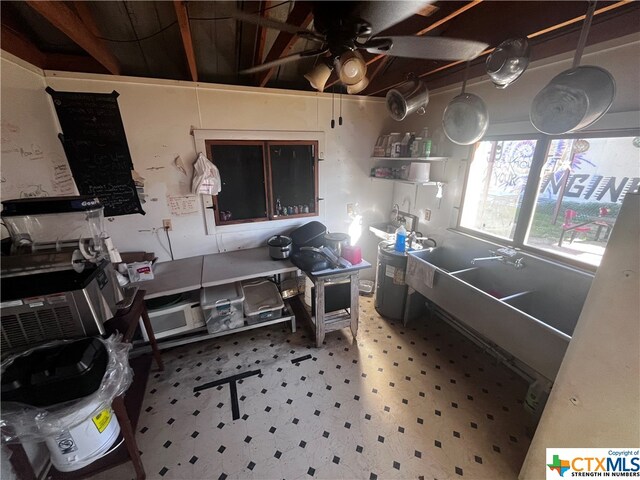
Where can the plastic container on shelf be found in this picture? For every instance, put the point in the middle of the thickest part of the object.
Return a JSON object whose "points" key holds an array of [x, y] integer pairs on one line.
{"points": [[262, 301], [222, 307], [419, 172]]}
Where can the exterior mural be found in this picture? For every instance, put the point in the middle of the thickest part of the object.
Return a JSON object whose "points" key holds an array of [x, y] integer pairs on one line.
{"points": [[592, 170]]}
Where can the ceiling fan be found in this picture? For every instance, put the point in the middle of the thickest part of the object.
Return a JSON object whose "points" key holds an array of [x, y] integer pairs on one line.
{"points": [[341, 29]]}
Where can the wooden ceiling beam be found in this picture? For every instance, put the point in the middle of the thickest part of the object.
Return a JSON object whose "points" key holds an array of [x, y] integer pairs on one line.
{"points": [[384, 59], [187, 40], [300, 16], [19, 45], [261, 36], [562, 46], [64, 19]]}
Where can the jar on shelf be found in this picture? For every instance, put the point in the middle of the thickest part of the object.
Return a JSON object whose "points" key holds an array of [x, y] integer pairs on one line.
{"points": [[393, 145], [416, 146]]}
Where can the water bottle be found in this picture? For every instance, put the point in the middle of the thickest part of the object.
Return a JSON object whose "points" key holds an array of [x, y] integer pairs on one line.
{"points": [[401, 239]]}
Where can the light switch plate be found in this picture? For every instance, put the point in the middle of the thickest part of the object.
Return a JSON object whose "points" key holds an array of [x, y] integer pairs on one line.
{"points": [[427, 214]]}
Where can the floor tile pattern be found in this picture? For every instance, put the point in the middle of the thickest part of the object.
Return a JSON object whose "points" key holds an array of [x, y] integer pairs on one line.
{"points": [[403, 402]]}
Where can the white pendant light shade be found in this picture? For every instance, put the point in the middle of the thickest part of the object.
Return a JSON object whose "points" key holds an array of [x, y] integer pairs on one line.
{"points": [[318, 76], [351, 68], [358, 87]]}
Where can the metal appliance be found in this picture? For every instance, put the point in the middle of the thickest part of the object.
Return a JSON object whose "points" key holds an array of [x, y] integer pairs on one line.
{"points": [[58, 280]]}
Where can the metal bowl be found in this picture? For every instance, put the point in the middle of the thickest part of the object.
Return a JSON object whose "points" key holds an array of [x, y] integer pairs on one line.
{"points": [[508, 61]]}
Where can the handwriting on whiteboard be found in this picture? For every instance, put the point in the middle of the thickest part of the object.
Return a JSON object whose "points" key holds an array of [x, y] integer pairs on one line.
{"points": [[63, 180], [182, 205]]}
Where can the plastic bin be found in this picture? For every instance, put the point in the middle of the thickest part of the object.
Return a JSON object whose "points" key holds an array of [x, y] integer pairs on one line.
{"points": [[222, 307], [262, 301]]}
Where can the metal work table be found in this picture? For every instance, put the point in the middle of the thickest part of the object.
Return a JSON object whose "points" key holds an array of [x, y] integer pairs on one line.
{"points": [[323, 323], [188, 274], [175, 276], [228, 267]]}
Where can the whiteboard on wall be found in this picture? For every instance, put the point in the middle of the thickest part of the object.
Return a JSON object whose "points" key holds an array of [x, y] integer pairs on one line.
{"points": [[33, 162]]}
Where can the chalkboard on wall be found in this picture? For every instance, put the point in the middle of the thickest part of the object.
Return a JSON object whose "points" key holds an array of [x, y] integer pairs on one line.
{"points": [[96, 146]]}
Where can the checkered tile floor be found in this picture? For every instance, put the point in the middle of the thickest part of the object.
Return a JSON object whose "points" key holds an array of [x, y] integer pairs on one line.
{"points": [[416, 402]]}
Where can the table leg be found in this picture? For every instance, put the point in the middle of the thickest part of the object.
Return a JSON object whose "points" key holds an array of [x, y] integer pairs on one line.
{"points": [[152, 338], [319, 312], [355, 306], [129, 436]]}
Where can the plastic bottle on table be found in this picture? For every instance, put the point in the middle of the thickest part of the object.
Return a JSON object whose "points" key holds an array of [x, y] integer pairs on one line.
{"points": [[401, 239]]}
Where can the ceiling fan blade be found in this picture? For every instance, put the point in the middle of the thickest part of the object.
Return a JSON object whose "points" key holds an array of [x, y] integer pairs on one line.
{"points": [[282, 60], [382, 15], [277, 25], [431, 48]]}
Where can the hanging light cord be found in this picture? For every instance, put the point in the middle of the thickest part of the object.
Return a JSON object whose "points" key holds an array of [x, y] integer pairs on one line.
{"points": [[333, 121]]}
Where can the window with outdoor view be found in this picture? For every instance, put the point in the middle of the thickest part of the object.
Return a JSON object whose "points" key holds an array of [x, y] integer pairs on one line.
{"points": [[497, 177], [560, 196]]}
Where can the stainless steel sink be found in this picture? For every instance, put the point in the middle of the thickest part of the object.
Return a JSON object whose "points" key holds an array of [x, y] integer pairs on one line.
{"points": [[443, 258], [384, 231], [490, 281], [498, 302]]}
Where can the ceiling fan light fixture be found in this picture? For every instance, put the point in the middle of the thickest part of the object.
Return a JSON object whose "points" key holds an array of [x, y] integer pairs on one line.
{"points": [[358, 87], [319, 76], [351, 67]]}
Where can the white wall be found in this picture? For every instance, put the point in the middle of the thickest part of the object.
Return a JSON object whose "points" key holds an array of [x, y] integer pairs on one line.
{"points": [[158, 117]]}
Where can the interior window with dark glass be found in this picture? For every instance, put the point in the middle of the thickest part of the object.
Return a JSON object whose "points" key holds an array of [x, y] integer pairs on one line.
{"points": [[243, 194], [264, 180], [292, 178]]}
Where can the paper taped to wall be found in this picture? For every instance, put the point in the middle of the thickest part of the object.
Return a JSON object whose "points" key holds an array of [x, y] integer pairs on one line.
{"points": [[182, 205]]}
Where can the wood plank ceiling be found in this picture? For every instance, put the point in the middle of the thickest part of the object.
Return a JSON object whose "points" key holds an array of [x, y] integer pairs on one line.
{"points": [[201, 41]]}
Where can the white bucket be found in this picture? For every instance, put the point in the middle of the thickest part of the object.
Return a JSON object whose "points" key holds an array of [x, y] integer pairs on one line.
{"points": [[84, 443]]}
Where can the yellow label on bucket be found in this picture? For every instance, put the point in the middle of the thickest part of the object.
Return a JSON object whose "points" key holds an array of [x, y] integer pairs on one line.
{"points": [[101, 420]]}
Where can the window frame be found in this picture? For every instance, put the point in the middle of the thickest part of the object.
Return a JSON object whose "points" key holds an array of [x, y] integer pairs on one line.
{"points": [[526, 209], [268, 183]]}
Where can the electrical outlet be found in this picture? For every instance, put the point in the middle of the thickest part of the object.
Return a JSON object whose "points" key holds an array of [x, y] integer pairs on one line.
{"points": [[427, 214], [350, 209], [166, 224]]}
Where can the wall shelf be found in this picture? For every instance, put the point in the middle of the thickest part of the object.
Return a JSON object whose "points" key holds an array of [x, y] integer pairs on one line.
{"points": [[408, 182], [413, 159]]}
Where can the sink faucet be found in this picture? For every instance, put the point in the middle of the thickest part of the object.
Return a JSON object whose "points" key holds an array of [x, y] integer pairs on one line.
{"points": [[395, 212], [481, 259], [507, 257]]}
